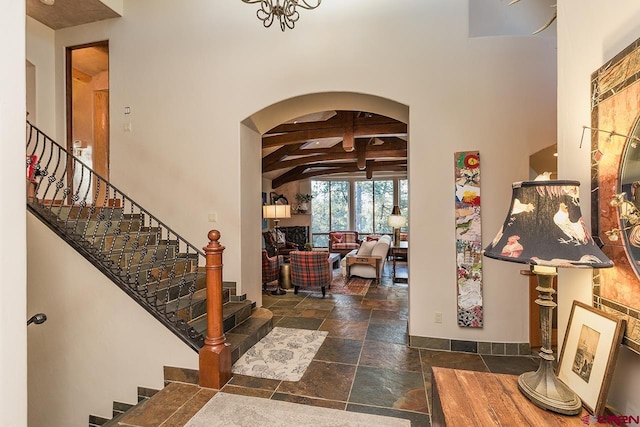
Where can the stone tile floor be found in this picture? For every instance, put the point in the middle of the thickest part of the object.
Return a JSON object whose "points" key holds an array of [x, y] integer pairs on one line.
{"points": [[364, 364]]}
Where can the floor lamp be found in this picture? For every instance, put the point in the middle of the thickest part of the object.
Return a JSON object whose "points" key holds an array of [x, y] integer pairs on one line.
{"points": [[396, 221], [276, 212], [545, 229]]}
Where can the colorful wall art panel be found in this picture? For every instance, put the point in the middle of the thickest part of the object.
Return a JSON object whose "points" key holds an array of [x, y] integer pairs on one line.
{"points": [[468, 239]]}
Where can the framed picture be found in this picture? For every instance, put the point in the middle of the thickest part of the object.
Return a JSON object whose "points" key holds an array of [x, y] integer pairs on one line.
{"points": [[589, 354]]}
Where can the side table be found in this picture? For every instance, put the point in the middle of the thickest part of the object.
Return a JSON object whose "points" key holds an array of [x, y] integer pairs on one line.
{"points": [[401, 249], [285, 276]]}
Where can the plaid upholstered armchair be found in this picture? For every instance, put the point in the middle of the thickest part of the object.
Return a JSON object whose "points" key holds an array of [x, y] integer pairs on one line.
{"points": [[270, 268], [343, 242], [310, 269]]}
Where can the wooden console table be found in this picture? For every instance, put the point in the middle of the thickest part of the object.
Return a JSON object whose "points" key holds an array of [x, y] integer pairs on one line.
{"points": [[470, 398], [373, 261]]}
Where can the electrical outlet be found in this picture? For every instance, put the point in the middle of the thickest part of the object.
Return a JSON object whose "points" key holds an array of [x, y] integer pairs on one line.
{"points": [[437, 317]]}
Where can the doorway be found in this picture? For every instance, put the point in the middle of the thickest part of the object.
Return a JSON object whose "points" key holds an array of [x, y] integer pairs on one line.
{"points": [[543, 161], [87, 89]]}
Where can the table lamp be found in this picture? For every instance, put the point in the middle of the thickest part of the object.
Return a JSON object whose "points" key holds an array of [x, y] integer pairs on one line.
{"points": [[276, 212], [396, 221], [545, 229]]}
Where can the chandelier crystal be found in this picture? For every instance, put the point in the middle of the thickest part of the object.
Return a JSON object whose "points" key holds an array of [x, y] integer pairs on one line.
{"points": [[284, 10]]}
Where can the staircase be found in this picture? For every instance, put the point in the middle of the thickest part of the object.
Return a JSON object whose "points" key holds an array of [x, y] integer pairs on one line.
{"points": [[174, 405], [149, 261]]}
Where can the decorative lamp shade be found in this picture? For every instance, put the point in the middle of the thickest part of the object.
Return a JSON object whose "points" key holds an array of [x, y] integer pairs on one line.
{"points": [[396, 220], [276, 211], [544, 226]]}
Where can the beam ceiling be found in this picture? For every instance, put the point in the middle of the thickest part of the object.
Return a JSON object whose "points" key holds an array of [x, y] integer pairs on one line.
{"points": [[347, 143]]}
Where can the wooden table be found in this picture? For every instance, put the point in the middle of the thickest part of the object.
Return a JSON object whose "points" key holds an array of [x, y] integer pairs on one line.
{"points": [[401, 249], [469, 398], [373, 261]]}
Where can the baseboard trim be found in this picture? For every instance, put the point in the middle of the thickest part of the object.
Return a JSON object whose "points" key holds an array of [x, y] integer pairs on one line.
{"points": [[477, 347]]}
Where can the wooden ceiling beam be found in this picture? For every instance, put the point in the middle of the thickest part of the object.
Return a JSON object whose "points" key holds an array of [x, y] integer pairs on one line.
{"points": [[361, 155], [396, 128], [303, 173], [314, 159], [278, 155], [348, 137], [336, 122]]}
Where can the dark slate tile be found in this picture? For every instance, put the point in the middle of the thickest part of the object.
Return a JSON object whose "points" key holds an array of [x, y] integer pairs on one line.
{"points": [[392, 356], [454, 360], [393, 332], [300, 323], [339, 350], [389, 388], [314, 381], [514, 365], [464, 346]]}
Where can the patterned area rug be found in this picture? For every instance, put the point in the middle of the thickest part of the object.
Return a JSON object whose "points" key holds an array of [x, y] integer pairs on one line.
{"points": [[243, 411], [353, 286], [284, 354]]}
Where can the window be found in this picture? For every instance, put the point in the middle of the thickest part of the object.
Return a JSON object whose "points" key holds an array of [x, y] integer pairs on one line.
{"points": [[355, 205], [329, 210], [403, 198], [373, 204]]}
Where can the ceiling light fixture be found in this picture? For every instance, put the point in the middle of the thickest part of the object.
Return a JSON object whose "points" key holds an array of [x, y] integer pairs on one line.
{"points": [[284, 10]]}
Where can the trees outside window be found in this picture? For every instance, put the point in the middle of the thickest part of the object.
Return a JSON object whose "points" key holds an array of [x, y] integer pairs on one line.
{"points": [[354, 205]]}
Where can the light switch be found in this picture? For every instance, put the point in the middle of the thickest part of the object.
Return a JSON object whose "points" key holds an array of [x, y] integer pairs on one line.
{"points": [[127, 127], [213, 217]]}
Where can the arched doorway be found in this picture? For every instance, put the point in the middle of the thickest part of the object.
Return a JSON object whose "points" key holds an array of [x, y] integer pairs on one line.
{"points": [[251, 142]]}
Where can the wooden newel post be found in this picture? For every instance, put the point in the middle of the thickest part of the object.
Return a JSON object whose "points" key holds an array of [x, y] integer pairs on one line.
{"points": [[215, 356]]}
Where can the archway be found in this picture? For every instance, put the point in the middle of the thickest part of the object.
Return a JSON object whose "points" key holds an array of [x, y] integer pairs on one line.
{"points": [[250, 142]]}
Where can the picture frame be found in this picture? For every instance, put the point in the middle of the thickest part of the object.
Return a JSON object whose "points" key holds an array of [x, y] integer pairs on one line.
{"points": [[589, 353]]}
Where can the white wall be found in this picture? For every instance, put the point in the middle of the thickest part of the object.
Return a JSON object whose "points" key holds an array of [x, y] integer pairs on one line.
{"points": [[589, 33], [40, 52], [192, 73], [97, 344], [13, 302]]}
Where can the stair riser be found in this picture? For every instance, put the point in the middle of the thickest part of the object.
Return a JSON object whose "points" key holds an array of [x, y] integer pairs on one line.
{"points": [[195, 310], [178, 291], [121, 242], [101, 228], [157, 273], [154, 256], [77, 212]]}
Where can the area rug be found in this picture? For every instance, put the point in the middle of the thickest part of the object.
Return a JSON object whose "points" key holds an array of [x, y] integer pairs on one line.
{"points": [[284, 354], [354, 286], [231, 410]]}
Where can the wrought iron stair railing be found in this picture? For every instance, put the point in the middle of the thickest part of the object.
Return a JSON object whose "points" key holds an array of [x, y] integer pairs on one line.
{"points": [[137, 251]]}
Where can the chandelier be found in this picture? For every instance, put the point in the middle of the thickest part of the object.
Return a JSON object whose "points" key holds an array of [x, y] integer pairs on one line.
{"points": [[284, 10]]}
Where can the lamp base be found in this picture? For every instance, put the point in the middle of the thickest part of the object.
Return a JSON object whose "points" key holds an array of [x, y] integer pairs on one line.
{"points": [[545, 390], [278, 291]]}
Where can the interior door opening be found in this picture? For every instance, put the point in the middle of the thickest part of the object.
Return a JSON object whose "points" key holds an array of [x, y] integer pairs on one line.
{"points": [[87, 88]]}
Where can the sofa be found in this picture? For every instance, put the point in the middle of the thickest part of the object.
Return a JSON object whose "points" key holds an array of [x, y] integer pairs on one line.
{"points": [[368, 260], [343, 242]]}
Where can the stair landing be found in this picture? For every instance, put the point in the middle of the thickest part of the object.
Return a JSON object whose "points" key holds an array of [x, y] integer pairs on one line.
{"points": [[182, 398]]}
